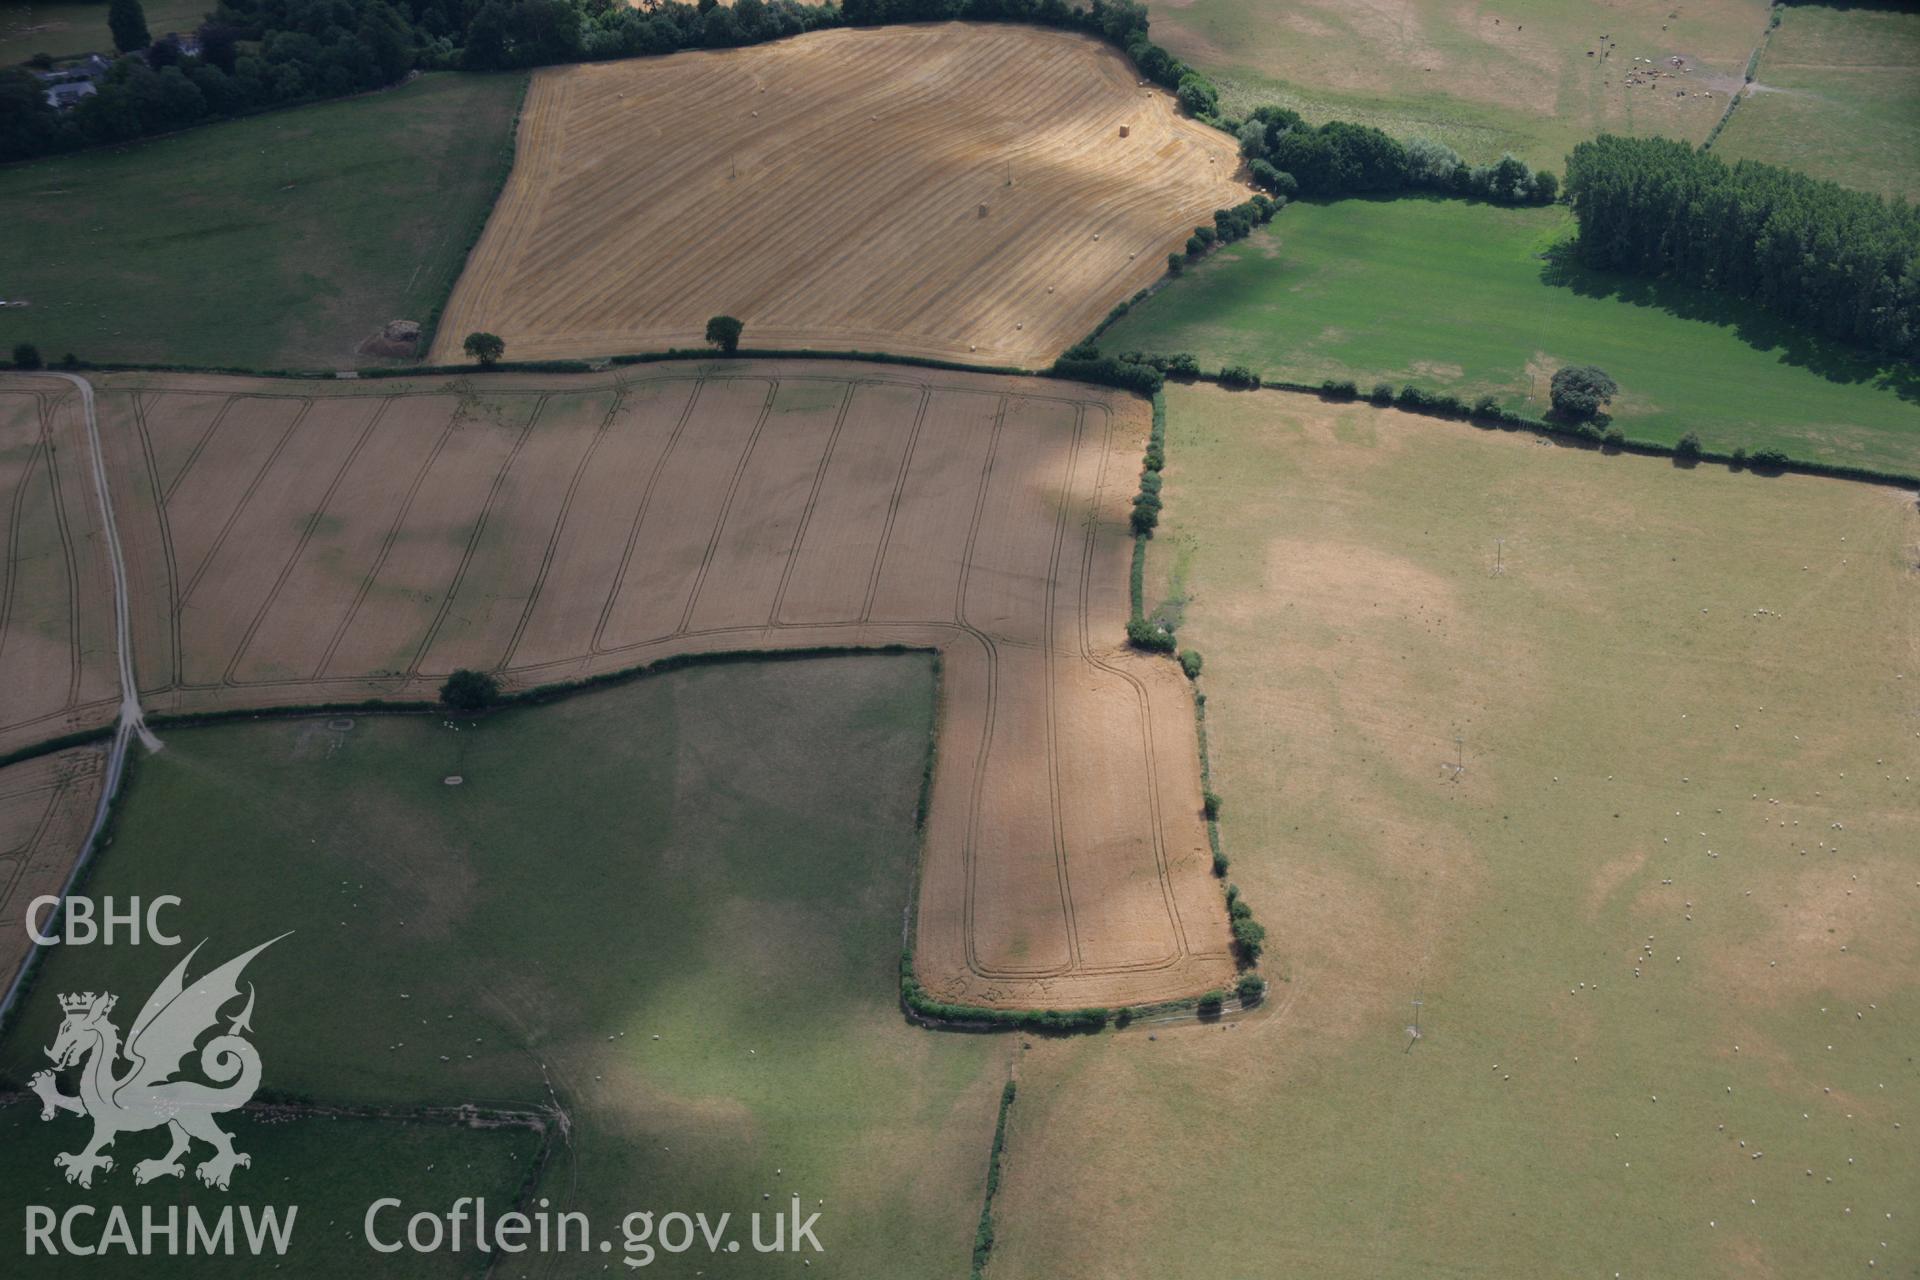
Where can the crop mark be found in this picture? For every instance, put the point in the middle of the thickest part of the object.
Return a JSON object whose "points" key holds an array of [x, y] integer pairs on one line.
{"points": [[813, 498], [893, 503], [386, 544], [640, 515], [246, 498], [300, 546], [15, 516], [75, 658], [473, 539], [1080, 495], [559, 524], [726, 506]]}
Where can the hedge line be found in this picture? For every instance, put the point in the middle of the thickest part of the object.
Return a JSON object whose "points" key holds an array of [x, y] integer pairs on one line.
{"points": [[78, 738], [977, 1017], [983, 1234], [1484, 412], [509, 154], [1150, 463], [1142, 633], [539, 366]]}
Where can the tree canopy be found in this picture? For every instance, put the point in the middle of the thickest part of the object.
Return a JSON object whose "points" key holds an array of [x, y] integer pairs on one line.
{"points": [[724, 333], [128, 23], [1579, 391], [1840, 262], [468, 690], [487, 348]]}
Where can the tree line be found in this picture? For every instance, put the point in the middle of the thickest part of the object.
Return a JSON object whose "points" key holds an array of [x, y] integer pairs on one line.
{"points": [[1289, 157], [1842, 263]]}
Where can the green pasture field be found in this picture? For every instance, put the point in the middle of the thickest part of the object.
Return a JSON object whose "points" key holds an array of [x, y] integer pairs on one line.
{"points": [[1485, 79], [1475, 299], [65, 30], [328, 1168], [1838, 97], [672, 908], [1626, 802], [280, 241]]}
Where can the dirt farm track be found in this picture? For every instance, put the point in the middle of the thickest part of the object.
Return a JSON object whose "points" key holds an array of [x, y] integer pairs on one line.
{"points": [[295, 543], [956, 191]]}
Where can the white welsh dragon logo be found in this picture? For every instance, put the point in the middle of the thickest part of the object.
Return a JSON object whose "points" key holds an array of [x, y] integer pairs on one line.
{"points": [[146, 1096]]}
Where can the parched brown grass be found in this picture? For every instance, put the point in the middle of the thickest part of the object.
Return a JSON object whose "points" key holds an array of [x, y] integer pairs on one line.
{"points": [[1664, 907], [1533, 78], [295, 543], [828, 191]]}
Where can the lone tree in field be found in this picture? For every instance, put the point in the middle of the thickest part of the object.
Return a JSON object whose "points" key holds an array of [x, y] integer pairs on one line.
{"points": [[1580, 390], [26, 356], [128, 22], [485, 347], [467, 690], [724, 333]]}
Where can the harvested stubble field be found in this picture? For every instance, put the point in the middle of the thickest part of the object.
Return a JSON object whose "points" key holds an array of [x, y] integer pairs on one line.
{"points": [[294, 543], [46, 806], [56, 596], [1661, 921], [827, 191]]}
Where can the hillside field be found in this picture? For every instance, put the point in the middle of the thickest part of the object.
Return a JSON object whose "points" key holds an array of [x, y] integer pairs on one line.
{"points": [[339, 1165], [1659, 919], [1483, 78], [1476, 299], [280, 241], [961, 191], [297, 543], [1838, 97], [668, 910], [65, 30]]}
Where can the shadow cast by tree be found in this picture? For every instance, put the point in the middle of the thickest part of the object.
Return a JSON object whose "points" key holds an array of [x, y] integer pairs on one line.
{"points": [[1760, 329]]}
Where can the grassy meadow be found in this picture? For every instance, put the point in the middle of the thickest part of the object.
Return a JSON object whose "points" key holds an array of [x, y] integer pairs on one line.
{"points": [[1838, 97], [1659, 922], [1475, 299], [65, 30], [1485, 79], [672, 908], [282, 240], [328, 1168]]}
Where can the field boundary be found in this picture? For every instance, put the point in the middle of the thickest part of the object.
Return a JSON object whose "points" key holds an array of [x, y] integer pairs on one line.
{"points": [[1249, 936], [539, 366], [1452, 409], [1774, 16], [505, 170], [918, 1008], [983, 1234]]}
